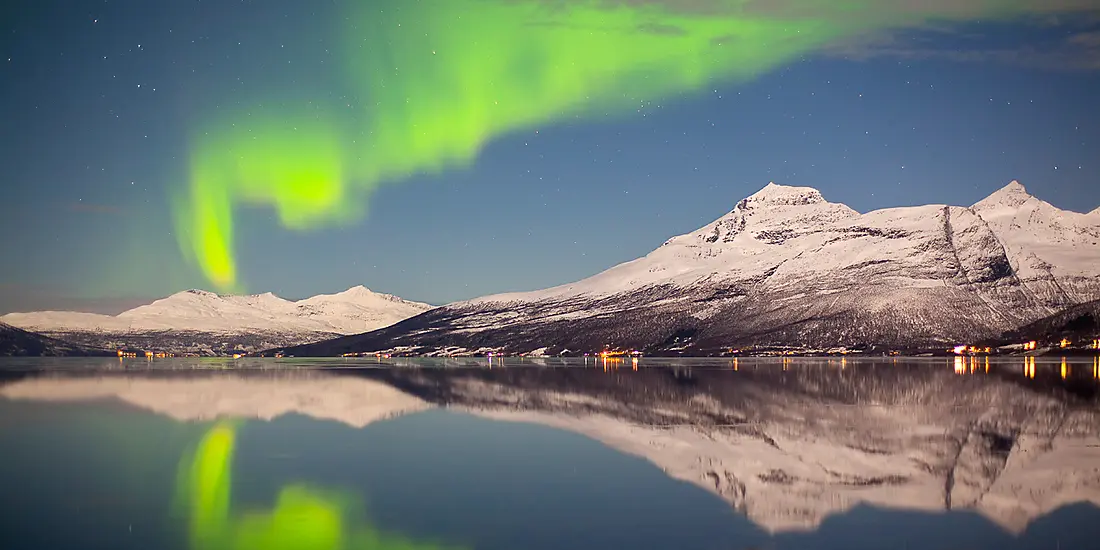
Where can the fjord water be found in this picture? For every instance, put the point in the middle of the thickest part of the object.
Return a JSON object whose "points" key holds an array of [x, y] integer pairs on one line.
{"points": [[550, 453]]}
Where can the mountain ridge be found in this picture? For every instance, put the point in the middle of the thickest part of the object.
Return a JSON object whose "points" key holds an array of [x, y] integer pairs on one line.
{"points": [[196, 309], [785, 267], [198, 320]]}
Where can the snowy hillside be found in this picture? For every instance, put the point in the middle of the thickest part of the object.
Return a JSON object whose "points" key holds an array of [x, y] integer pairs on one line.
{"points": [[354, 310], [348, 312], [1055, 253], [787, 267], [792, 232], [199, 312]]}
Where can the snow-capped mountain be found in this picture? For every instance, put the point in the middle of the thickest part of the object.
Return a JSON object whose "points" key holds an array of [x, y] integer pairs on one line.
{"points": [[193, 313], [1052, 251], [348, 312], [787, 267]]}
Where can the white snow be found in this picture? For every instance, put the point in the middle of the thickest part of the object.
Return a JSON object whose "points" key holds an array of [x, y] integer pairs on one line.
{"points": [[353, 311], [1039, 237], [792, 232], [785, 245]]}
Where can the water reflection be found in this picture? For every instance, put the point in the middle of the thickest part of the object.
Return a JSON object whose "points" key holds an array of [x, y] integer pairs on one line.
{"points": [[789, 443], [796, 447], [303, 518]]}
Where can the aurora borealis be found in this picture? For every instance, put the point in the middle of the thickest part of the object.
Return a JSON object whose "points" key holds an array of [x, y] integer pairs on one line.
{"points": [[156, 147], [303, 518], [440, 78]]}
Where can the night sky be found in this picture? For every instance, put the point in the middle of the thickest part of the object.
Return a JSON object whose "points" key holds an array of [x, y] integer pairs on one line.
{"points": [[446, 149]]}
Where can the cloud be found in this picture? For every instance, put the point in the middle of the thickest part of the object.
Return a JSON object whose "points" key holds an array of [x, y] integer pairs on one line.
{"points": [[1077, 52], [862, 9], [945, 9], [1085, 39]]}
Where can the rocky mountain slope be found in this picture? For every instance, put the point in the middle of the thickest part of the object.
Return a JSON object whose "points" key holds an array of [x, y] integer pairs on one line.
{"points": [[787, 268], [18, 342], [197, 320]]}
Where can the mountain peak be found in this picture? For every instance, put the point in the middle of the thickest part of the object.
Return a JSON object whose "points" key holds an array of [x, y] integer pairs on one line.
{"points": [[197, 292], [1012, 195], [358, 289], [776, 194], [356, 292]]}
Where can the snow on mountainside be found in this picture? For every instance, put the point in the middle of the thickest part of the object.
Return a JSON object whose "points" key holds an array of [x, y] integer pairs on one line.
{"points": [[787, 267], [200, 312], [354, 310], [1052, 251], [782, 230], [724, 248], [349, 311]]}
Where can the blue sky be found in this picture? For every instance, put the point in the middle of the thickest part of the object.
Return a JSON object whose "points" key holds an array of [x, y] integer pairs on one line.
{"points": [[99, 101]]}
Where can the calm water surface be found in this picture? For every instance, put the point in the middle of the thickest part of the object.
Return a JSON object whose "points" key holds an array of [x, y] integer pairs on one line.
{"points": [[541, 454]]}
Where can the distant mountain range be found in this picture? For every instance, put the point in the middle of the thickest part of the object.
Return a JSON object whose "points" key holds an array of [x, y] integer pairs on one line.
{"points": [[786, 268], [204, 322]]}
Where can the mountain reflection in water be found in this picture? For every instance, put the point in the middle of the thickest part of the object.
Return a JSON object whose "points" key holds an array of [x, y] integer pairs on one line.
{"points": [[814, 453]]}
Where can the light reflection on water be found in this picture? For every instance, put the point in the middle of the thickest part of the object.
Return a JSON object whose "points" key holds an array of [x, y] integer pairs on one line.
{"points": [[595, 453], [303, 517], [972, 362]]}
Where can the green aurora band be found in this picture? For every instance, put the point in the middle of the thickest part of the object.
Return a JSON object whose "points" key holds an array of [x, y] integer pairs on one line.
{"points": [[303, 518], [438, 79]]}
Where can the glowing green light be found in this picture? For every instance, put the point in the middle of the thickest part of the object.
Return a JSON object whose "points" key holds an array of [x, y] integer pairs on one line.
{"points": [[432, 81], [303, 518], [439, 78]]}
